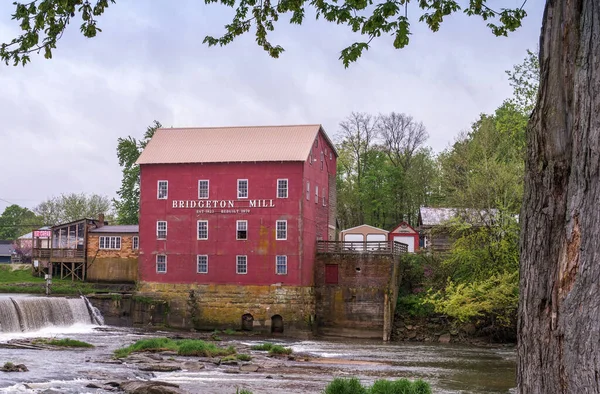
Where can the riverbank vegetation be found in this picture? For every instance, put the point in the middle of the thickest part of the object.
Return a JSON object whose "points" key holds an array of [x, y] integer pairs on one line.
{"points": [[17, 278], [386, 172], [65, 342], [183, 347]]}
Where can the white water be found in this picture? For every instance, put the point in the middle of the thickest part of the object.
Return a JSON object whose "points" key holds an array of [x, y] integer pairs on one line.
{"points": [[34, 314]]}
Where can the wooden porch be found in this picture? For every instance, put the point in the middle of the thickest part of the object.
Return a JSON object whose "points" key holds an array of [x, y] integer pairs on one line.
{"points": [[62, 263]]}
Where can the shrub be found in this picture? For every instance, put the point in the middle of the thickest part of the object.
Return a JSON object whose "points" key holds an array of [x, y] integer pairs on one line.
{"points": [[144, 345], [244, 357], [421, 387], [278, 349], [345, 386], [193, 347]]}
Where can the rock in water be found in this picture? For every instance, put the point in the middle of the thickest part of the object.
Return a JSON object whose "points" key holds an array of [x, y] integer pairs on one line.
{"points": [[136, 387], [10, 367]]}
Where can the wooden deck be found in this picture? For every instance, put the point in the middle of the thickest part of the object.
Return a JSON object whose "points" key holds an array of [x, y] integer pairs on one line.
{"points": [[369, 247]]}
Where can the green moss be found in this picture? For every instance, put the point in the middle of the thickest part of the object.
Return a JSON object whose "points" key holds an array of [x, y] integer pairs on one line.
{"points": [[66, 342]]}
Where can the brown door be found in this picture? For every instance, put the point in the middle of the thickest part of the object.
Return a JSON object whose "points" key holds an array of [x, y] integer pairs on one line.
{"points": [[331, 274]]}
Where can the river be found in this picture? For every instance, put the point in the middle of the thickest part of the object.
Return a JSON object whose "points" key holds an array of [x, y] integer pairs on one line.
{"points": [[448, 368]]}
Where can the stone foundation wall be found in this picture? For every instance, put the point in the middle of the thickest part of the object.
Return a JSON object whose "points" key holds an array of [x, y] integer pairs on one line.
{"points": [[361, 304], [207, 307]]}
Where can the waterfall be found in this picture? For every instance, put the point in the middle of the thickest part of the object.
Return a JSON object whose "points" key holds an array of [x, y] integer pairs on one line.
{"points": [[34, 313]]}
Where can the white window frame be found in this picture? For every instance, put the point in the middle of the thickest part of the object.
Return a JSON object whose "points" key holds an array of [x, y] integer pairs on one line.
{"points": [[158, 222], [322, 159], [109, 243], [207, 189], [310, 157], [238, 188], [282, 189], [135, 242], [324, 197], [198, 230], [316, 194], [158, 196], [157, 262], [237, 264], [237, 229], [308, 190], [198, 263], [283, 264], [277, 230]]}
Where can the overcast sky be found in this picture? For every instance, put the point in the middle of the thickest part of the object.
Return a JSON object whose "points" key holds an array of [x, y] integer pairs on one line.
{"points": [[61, 118]]}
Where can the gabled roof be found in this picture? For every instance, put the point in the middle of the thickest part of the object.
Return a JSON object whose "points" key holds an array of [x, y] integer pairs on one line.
{"points": [[403, 225], [231, 144], [121, 229], [365, 225]]}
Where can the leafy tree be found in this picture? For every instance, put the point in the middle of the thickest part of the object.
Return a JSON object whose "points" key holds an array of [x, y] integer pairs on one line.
{"points": [[558, 312], [16, 221], [69, 207], [128, 150]]}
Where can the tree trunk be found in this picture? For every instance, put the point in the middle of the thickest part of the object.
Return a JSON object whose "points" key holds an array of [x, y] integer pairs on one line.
{"points": [[559, 309]]}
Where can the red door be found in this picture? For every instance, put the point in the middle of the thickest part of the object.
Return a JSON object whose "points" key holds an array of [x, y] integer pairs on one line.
{"points": [[331, 274]]}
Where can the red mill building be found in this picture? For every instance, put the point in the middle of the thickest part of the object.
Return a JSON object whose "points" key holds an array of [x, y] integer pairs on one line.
{"points": [[229, 219]]}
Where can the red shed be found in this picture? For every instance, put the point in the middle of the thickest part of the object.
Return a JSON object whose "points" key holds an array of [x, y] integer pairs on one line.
{"points": [[235, 205], [407, 235]]}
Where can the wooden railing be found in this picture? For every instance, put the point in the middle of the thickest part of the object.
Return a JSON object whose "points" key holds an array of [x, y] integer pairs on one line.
{"points": [[356, 247], [58, 254]]}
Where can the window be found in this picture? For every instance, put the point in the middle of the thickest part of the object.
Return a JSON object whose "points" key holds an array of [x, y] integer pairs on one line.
{"points": [[161, 263], [202, 189], [163, 190], [322, 157], [281, 230], [242, 188], [202, 264], [161, 230], [307, 190], [242, 229], [110, 243], [135, 243], [281, 265], [310, 157], [202, 229], [241, 266], [317, 143], [324, 197], [316, 194], [330, 155], [282, 188]]}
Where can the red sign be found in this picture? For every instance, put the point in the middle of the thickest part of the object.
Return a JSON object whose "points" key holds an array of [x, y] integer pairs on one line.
{"points": [[42, 234]]}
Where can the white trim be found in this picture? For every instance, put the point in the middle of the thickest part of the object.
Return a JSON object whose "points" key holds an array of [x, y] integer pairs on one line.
{"points": [[161, 272], [247, 188], [236, 264], [198, 230], [207, 189], [286, 265], [363, 225], [197, 263], [237, 229], [133, 242], [166, 228], [102, 242], [277, 230], [287, 188], [158, 197]]}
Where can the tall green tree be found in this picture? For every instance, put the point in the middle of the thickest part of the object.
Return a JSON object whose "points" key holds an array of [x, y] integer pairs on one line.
{"points": [[127, 206], [73, 206], [558, 313], [16, 221]]}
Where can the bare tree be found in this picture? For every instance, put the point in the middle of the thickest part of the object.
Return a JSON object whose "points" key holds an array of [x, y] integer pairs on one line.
{"points": [[358, 133], [402, 137], [69, 207]]}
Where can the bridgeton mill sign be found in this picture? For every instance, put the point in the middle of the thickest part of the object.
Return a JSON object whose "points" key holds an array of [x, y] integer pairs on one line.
{"points": [[222, 206]]}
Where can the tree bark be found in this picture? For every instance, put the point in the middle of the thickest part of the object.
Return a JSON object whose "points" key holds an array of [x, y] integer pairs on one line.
{"points": [[559, 309]]}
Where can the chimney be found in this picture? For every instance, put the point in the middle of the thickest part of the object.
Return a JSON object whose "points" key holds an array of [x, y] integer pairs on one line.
{"points": [[100, 221]]}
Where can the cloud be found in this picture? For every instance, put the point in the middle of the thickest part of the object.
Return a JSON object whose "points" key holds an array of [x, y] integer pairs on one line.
{"points": [[62, 117]]}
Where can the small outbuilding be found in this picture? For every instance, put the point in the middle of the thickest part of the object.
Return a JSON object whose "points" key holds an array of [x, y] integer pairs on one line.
{"points": [[356, 237], [405, 234]]}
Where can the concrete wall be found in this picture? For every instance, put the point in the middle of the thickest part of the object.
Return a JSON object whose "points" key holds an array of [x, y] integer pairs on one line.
{"points": [[359, 305]]}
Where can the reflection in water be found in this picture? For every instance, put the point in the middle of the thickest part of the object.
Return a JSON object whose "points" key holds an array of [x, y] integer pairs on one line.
{"points": [[449, 368]]}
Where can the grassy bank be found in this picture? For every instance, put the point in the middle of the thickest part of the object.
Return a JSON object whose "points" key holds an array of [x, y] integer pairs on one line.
{"points": [[17, 278], [184, 347]]}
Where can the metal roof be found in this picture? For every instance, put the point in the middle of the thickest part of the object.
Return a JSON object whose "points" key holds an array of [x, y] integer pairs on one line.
{"points": [[126, 228], [6, 249], [231, 144]]}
